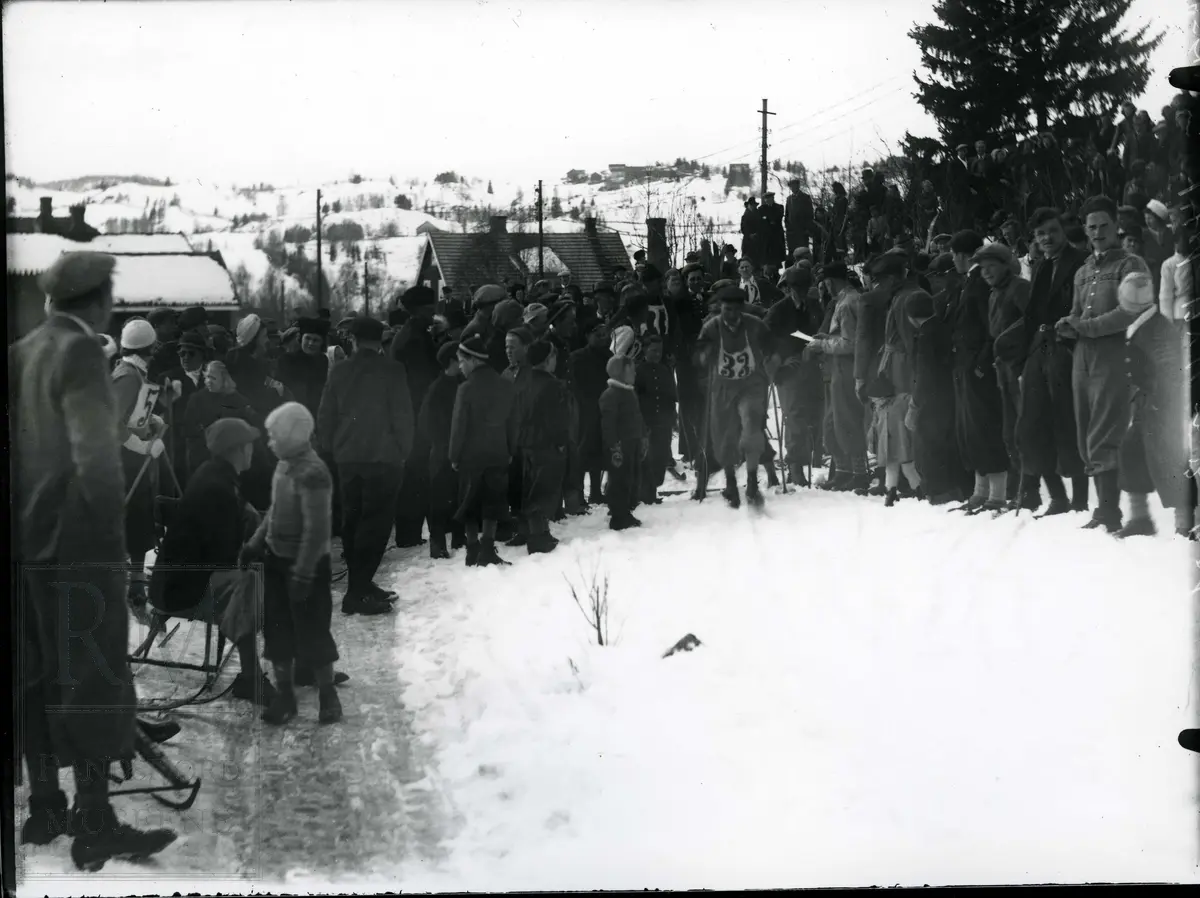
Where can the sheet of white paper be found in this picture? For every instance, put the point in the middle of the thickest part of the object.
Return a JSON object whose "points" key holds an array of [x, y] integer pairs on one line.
{"points": [[803, 336]]}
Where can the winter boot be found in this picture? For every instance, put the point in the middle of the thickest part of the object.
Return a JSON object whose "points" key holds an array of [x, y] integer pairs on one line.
{"points": [[158, 731], [1137, 527], [457, 539], [304, 676], [365, 604], [753, 495], [100, 837], [841, 482], [730, 493], [893, 496], [623, 522], [1079, 494], [946, 498], [1184, 520], [488, 554], [282, 707], [259, 691], [1108, 506], [520, 537], [375, 591], [437, 546], [540, 543], [796, 476], [330, 705], [48, 819], [772, 476], [1056, 506], [472, 554]]}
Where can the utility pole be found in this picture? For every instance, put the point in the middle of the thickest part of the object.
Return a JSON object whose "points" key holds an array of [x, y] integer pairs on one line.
{"points": [[366, 288], [765, 113], [318, 249], [541, 240]]}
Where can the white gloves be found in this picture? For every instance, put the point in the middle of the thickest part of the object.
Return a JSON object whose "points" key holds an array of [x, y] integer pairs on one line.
{"points": [[157, 447]]}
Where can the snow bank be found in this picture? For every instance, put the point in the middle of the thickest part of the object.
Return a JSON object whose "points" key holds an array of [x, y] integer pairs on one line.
{"points": [[882, 696]]}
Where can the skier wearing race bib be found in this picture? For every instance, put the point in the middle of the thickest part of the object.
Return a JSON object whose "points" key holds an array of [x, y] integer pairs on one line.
{"points": [[734, 346], [140, 431]]}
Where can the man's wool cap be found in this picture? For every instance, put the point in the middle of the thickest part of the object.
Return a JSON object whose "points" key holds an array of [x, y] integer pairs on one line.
{"points": [[226, 434], [446, 352], [311, 326], [943, 263], [730, 294], [366, 328], [138, 333], [488, 295], [521, 333], [418, 296], [161, 316], [798, 275], [996, 251], [193, 339], [247, 329], [193, 316], [965, 242], [473, 347], [74, 274], [533, 311], [539, 352], [834, 270]]}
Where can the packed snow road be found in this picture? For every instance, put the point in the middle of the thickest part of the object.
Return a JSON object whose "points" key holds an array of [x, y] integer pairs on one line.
{"points": [[880, 696]]}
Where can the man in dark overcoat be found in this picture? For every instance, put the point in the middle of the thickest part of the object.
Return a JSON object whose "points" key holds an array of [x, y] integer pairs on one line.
{"points": [[76, 698], [415, 347]]}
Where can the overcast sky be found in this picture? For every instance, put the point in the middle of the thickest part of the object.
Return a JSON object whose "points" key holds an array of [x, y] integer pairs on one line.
{"points": [[299, 92]]}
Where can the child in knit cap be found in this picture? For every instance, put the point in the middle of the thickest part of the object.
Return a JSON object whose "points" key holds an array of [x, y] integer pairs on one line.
{"points": [[625, 444], [295, 536]]}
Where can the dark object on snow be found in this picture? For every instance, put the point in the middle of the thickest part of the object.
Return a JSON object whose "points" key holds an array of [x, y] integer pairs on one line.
{"points": [[1190, 739], [686, 644]]}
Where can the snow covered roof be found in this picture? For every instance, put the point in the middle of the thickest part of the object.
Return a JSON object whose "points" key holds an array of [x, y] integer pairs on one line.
{"points": [[551, 263], [140, 243], [141, 282], [34, 253]]}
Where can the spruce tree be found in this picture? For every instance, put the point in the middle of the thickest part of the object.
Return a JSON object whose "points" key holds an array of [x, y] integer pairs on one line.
{"points": [[1001, 69]]}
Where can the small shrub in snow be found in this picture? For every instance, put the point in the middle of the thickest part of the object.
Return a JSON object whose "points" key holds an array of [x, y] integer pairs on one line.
{"points": [[593, 603]]}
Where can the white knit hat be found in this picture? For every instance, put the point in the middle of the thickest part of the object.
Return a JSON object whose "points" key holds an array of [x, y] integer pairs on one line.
{"points": [[138, 333], [248, 329], [1136, 293], [1158, 209], [291, 424]]}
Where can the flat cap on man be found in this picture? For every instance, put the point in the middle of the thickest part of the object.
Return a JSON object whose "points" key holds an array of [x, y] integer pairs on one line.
{"points": [[76, 274], [799, 275], [446, 352], [227, 434], [731, 294], [887, 265], [488, 295], [161, 315], [943, 263], [366, 328], [996, 251]]}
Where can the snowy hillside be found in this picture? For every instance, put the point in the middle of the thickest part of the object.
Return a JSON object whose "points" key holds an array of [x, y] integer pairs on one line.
{"points": [[232, 217]]}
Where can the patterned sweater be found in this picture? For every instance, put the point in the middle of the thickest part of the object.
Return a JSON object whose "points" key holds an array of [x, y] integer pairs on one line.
{"points": [[298, 524]]}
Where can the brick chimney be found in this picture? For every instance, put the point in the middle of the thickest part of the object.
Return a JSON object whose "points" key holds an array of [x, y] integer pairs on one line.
{"points": [[47, 211], [77, 215], [498, 224], [589, 225]]}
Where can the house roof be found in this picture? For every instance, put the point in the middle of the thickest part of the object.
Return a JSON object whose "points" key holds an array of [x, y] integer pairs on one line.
{"points": [[466, 259], [172, 279], [140, 281], [485, 258], [33, 253]]}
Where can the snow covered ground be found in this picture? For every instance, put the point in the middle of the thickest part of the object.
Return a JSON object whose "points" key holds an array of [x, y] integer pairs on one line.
{"points": [[881, 696]]}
